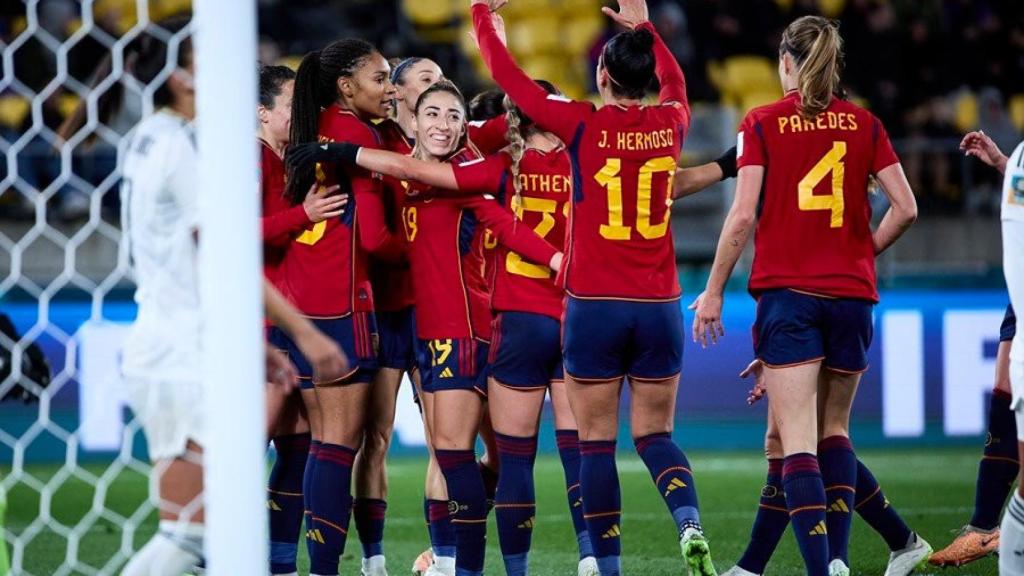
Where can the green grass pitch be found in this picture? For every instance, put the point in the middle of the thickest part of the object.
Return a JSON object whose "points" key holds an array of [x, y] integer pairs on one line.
{"points": [[933, 488]]}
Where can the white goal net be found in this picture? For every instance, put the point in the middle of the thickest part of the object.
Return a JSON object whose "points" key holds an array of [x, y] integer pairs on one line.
{"points": [[72, 460]]}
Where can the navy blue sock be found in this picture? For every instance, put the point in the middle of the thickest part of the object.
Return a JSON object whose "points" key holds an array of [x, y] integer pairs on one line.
{"points": [[874, 508], [442, 533], [839, 472], [285, 500], [671, 474], [490, 478], [805, 499], [569, 451], [998, 467], [602, 508], [332, 506], [514, 504], [769, 524], [469, 516], [307, 494], [369, 516]]}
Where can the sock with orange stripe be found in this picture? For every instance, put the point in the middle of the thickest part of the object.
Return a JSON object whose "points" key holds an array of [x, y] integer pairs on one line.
{"points": [[369, 515], [466, 491], [285, 500], [332, 506], [569, 452], [602, 507], [490, 478], [874, 508], [671, 473], [769, 524], [805, 499], [514, 503], [839, 472], [307, 493], [439, 524], [998, 467]]}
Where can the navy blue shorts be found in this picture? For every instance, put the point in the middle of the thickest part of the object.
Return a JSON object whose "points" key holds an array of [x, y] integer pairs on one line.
{"points": [[397, 339], [452, 364], [526, 350], [793, 328], [356, 334], [1008, 329], [604, 339]]}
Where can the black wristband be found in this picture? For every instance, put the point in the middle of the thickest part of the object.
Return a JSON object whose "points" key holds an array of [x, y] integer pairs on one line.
{"points": [[727, 162], [345, 151]]}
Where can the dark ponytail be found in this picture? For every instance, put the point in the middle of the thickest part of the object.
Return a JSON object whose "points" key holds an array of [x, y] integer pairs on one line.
{"points": [[316, 87], [486, 105], [629, 60], [144, 58]]}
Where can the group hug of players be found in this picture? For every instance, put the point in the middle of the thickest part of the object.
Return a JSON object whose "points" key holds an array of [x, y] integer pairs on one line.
{"points": [[528, 252]]}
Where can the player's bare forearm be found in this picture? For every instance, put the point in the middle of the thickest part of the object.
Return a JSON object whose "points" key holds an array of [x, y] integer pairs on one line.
{"points": [[407, 168], [731, 243], [692, 180], [282, 314], [902, 210]]}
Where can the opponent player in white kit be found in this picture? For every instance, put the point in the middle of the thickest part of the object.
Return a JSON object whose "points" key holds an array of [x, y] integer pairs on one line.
{"points": [[162, 355], [1011, 544]]}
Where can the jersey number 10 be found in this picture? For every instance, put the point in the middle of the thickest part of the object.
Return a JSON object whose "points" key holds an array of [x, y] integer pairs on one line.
{"points": [[609, 178]]}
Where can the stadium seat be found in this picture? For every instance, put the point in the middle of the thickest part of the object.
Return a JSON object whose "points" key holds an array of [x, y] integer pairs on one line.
{"points": [[760, 98], [13, 110], [831, 8], [67, 103], [1016, 111], [580, 32], [747, 74], [965, 115], [527, 9], [534, 36], [430, 14]]}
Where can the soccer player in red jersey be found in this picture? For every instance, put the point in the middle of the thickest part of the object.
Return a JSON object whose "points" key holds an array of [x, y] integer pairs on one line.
{"points": [[533, 180], [622, 315], [338, 91], [808, 158]]}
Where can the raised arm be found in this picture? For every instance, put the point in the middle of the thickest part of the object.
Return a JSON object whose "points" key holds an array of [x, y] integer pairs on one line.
{"points": [[670, 75], [553, 113]]}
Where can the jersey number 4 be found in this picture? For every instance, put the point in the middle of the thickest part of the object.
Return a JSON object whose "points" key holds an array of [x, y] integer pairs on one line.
{"points": [[832, 163], [609, 178]]}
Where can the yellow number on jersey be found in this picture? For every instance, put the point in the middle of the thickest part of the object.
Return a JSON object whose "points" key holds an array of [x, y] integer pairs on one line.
{"points": [[609, 178], [314, 234], [409, 222], [547, 207], [439, 351], [831, 162], [490, 241]]}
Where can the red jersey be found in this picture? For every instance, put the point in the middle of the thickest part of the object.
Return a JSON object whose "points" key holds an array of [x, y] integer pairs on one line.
{"points": [[325, 271], [814, 229], [445, 234], [619, 244], [281, 221], [546, 188]]}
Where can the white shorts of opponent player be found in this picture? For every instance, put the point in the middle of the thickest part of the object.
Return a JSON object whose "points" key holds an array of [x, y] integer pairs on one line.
{"points": [[1013, 268], [161, 369]]}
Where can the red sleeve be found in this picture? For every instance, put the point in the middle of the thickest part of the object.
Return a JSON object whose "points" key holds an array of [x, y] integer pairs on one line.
{"points": [[489, 136], [750, 146], [885, 156], [670, 75], [374, 235], [482, 174], [554, 113], [279, 227], [520, 239]]}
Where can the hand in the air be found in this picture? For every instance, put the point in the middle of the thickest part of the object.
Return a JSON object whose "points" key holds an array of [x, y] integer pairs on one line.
{"points": [[631, 13]]}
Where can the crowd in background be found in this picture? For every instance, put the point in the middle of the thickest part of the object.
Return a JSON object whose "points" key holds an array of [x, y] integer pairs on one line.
{"points": [[931, 69]]}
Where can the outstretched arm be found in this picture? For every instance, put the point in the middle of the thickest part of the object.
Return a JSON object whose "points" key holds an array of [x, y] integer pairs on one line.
{"points": [[520, 239], [553, 113]]}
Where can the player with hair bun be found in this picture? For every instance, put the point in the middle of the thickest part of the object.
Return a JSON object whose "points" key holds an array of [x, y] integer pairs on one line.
{"points": [[622, 315], [807, 160]]}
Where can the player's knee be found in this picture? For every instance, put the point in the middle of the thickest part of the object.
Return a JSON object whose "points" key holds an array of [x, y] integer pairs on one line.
{"points": [[376, 442]]}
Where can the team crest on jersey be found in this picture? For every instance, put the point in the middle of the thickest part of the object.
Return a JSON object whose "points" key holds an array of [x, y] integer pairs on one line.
{"points": [[1016, 190]]}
